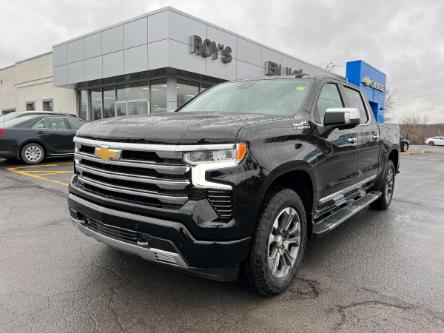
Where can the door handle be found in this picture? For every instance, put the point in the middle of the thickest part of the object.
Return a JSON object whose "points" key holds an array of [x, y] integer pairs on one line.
{"points": [[40, 132], [351, 140], [375, 137]]}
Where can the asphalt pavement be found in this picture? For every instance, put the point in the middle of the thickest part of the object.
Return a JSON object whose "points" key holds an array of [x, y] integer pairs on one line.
{"points": [[380, 271]]}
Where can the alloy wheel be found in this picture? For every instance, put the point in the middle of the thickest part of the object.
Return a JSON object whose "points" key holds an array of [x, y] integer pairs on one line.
{"points": [[33, 153], [284, 242]]}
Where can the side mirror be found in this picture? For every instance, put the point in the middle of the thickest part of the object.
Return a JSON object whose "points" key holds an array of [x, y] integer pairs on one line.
{"points": [[342, 117]]}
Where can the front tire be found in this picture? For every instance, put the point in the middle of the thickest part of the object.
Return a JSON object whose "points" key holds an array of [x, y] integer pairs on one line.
{"points": [[32, 153], [387, 187], [431, 143], [278, 243]]}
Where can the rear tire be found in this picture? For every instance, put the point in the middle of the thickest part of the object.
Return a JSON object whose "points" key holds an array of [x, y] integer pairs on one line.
{"points": [[278, 244], [32, 153], [387, 187]]}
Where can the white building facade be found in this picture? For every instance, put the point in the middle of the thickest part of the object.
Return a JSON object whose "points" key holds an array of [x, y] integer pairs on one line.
{"points": [[29, 85]]}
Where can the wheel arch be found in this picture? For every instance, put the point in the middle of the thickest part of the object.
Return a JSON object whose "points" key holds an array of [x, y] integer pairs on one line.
{"points": [[394, 157], [33, 140], [298, 178]]}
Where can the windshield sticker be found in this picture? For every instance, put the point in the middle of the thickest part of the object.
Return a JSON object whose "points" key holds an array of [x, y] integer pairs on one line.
{"points": [[300, 88]]}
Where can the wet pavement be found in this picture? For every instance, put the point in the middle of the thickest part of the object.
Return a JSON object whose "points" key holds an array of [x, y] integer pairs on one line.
{"points": [[380, 271]]}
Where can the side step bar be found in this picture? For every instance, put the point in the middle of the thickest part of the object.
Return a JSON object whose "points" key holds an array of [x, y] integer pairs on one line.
{"points": [[343, 214]]}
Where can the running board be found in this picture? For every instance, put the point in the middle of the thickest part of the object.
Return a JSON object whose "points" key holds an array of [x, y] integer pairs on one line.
{"points": [[343, 214]]}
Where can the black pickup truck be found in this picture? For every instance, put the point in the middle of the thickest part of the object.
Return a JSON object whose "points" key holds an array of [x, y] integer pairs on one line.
{"points": [[236, 181]]}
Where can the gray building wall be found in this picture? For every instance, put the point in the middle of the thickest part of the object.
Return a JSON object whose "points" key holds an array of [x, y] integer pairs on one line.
{"points": [[162, 39]]}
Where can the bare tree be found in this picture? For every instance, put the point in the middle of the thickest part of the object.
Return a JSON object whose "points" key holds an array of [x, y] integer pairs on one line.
{"points": [[425, 128], [409, 124], [329, 67], [389, 104]]}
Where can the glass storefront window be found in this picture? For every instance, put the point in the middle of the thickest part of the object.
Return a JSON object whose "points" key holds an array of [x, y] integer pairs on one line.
{"points": [[121, 109], [137, 107], [83, 104], [96, 104], [109, 102], [158, 96], [134, 98], [133, 91], [204, 86], [186, 90]]}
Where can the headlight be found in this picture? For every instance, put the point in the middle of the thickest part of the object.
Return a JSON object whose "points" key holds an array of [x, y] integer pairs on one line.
{"points": [[236, 155]]}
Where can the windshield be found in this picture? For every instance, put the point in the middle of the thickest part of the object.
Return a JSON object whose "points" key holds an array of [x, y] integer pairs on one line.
{"points": [[272, 97], [17, 121]]}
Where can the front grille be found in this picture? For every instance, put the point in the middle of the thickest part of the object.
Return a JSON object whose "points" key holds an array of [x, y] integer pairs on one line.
{"points": [[143, 174], [153, 178], [222, 202]]}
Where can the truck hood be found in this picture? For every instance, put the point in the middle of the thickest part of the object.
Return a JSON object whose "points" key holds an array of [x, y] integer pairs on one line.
{"points": [[174, 128]]}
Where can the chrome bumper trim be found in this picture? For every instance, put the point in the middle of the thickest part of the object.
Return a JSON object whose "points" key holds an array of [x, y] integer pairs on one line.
{"points": [[152, 147], [341, 193], [150, 254]]}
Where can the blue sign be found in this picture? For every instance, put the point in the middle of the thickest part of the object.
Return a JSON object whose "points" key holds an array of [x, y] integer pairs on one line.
{"points": [[372, 83]]}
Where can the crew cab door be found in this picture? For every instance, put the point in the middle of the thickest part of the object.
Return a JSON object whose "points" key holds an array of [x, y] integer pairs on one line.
{"points": [[336, 169], [368, 135]]}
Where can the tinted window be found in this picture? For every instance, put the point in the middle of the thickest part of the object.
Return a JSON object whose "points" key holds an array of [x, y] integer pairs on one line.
{"points": [[75, 123], [354, 100], [51, 123], [272, 97], [328, 98]]}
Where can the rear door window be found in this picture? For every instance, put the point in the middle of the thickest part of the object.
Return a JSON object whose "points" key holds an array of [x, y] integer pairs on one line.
{"points": [[354, 100], [54, 123]]}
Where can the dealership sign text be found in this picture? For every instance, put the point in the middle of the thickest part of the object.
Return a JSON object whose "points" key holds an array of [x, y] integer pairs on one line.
{"points": [[207, 48], [272, 69]]}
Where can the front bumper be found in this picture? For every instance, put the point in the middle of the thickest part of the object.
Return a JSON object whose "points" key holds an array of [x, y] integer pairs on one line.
{"points": [[162, 241]]}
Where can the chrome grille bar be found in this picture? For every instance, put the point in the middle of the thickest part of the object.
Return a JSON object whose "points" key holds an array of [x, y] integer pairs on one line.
{"points": [[168, 184], [168, 199], [161, 168]]}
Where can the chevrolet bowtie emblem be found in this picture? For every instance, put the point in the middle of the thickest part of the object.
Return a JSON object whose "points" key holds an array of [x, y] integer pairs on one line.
{"points": [[106, 154]]}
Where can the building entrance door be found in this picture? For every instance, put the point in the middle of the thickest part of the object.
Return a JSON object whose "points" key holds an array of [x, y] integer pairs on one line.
{"points": [[133, 107]]}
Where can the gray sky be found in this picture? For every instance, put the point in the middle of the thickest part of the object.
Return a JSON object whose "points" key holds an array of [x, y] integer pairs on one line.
{"points": [[404, 38]]}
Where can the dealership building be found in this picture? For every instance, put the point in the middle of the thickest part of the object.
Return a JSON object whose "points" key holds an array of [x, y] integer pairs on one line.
{"points": [[152, 63]]}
